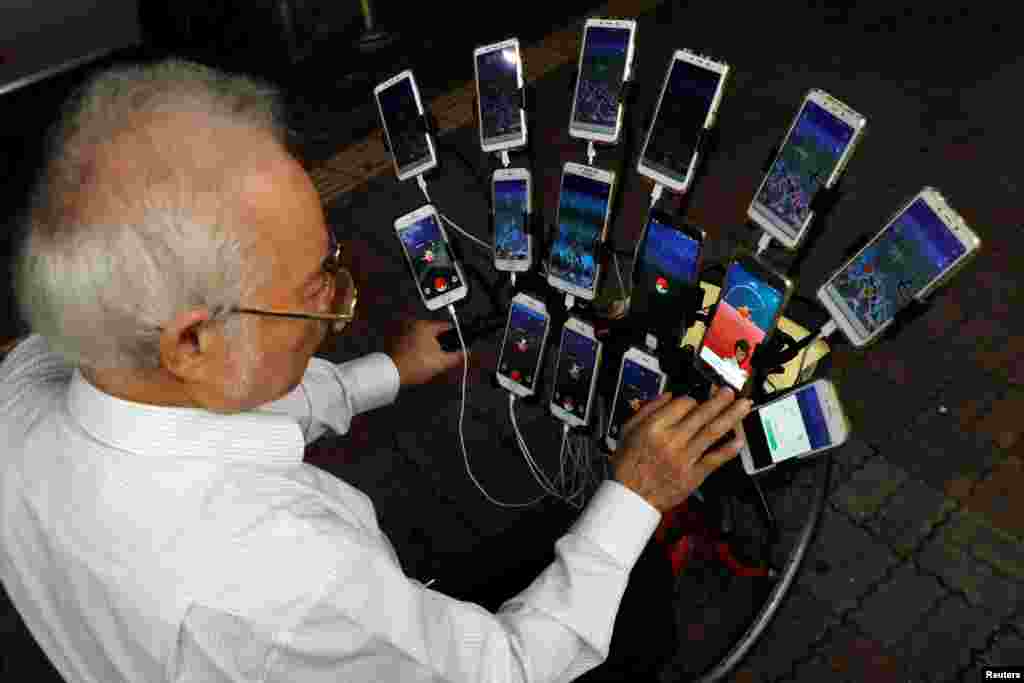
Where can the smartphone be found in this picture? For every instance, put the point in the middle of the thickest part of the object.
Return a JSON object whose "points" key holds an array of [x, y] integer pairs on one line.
{"points": [[437, 273], [749, 306], [665, 266], [499, 80], [923, 245], [606, 60], [688, 103], [816, 149], [584, 203], [522, 350], [510, 194], [640, 380], [576, 371], [805, 420], [400, 107]]}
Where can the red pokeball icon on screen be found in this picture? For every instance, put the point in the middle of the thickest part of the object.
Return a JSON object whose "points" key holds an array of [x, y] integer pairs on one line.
{"points": [[515, 375], [661, 284], [440, 284]]}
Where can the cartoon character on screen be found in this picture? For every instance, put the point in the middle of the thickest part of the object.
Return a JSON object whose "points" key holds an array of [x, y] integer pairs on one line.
{"points": [[741, 356]]}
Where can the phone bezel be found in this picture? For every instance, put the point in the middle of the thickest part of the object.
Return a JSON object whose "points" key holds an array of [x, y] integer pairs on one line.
{"points": [[753, 264], [453, 295], [583, 329], [432, 162], [677, 223], [600, 175], [509, 265], [720, 68], [496, 144], [957, 226], [764, 218], [641, 358], [627, 73], [836, 422], [507, 382]]}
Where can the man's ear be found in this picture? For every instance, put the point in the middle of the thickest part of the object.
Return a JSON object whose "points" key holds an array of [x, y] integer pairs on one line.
{"points": [[184, 346]]}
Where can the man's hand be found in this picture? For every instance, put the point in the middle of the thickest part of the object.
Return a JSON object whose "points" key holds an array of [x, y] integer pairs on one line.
{"points": [[665, 452], [418, 355]]}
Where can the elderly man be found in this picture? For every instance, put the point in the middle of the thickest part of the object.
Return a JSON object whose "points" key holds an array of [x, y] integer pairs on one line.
{"points": [[159, 523]]}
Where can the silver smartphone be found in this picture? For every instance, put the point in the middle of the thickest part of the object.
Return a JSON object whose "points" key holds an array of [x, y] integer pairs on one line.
{"points": [[499, 79], [817, 147], [511, 191], [922, 246], [606, 60], [804, 421], [433, 266], [576, 371], [522, 350], [400, 107], [688, 103], [640, 380], [584, 205]]}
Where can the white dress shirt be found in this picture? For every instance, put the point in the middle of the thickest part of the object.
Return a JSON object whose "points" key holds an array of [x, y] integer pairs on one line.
{"points": [[143, 543]]}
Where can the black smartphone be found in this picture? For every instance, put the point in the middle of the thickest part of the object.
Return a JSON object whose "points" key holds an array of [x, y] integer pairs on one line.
{"points": [[665, 267]]}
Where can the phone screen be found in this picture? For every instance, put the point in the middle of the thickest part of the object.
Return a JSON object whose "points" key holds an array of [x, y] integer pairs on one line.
{"points": [[499, 94], [807, 159], [743, 318], [601, 72], [789, 427], [684, 108], [576, 359], [666, 266], [510, 205], [582, 210], [520, 354], [638, 385], [908, 255], [408, 141], [431, 259]]}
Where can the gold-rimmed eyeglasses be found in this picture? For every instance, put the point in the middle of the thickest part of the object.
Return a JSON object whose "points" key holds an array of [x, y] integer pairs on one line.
{"points": [[339, 292]]}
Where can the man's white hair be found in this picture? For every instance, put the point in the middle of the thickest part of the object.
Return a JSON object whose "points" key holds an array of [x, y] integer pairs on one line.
{"points": [[107, 257]]}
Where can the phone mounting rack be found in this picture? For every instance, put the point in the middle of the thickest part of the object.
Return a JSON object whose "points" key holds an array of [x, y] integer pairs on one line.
{"points": [[822, 203]]}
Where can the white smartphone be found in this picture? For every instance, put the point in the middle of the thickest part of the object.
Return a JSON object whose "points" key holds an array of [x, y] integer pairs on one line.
{"points": [[499, 80], [584, 203], [688, 103], [606, 60], [576, 371], [806, 420], [434, 268], [749, 306], [923, 245], [640, 380], [813, 154], [511, 191], [522, 351], [400, 107]]}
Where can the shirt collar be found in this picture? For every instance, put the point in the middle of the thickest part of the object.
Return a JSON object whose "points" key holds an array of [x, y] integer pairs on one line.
{"points": [[159, 431]]}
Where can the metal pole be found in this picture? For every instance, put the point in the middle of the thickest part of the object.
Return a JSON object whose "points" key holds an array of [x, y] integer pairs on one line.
{"points": [[372, 38]]}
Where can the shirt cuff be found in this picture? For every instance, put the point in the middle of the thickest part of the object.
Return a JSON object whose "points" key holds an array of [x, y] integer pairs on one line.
{"points": [[620, 521], [374, 379]]}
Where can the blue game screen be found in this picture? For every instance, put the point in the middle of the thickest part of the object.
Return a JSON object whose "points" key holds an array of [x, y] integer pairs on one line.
{"points": [[665, 267], [510, 203], [582, 208], [638, 386], [601, 73], [898, 264], [808, 158]]}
